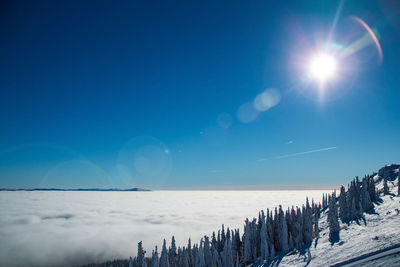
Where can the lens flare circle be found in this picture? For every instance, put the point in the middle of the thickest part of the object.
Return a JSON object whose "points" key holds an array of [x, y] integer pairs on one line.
{"points": [[267, 99], [144, 161]]}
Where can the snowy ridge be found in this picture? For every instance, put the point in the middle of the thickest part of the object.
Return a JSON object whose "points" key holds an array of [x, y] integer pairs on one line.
{"points": [[363, 219], [356, 238]]}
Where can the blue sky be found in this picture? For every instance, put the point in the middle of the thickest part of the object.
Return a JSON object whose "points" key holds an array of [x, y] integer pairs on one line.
{"points": [[161, 94]]}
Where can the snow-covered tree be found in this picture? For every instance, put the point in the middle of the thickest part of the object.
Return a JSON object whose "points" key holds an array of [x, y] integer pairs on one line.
{"points": [[398, 182], [164, 256], [264, 250], [385, 186], [248, 254], [200, 256], [154, 258], [343, 207], [372, 189], [227, 253], [172, 253], [284, 238], [216, 261], [185, 258], [207, 251], [307, 223], [365, 197], [316, 225], [333, 221], [140, 255]]}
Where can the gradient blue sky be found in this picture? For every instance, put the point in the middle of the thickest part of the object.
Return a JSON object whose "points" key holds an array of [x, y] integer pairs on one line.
{"points": [[130, 93]]}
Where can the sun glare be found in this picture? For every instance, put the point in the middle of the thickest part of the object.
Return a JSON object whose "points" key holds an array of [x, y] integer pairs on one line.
{"points": [[323, 67]]}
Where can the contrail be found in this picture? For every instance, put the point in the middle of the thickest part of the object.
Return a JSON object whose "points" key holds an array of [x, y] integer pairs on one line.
{"points": [[306, 152], [301, 153]]}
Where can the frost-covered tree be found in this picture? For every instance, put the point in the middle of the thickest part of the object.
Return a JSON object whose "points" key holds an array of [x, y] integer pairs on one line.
{"points": [[185, 258], [227, 253], [190, 252], [284, 236], [333, 221], [365, 197], [154, 258], [372, 189], [324, 201], [316, 225], [398, 182], [296, 227], [172, 253], [222, 236], [307, 223], [236, 243], [164, 256], [140, 255], [248, 254], [385, 186], [343, 207], [207, 251], [216, 261], [264, 250], [200, 256]]}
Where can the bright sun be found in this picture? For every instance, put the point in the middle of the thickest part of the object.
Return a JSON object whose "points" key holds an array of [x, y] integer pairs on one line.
{"points": [[323, 67]]}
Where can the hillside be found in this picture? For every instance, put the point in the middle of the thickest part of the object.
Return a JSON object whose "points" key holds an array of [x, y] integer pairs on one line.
{"points": [[358, 227], [380, 230]]}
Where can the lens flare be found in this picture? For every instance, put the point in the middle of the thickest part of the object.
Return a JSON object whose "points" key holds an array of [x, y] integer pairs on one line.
{"points": [[267, 99], [364, 41]]}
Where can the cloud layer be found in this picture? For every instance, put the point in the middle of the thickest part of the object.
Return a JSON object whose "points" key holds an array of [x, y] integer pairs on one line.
{"points": [[72, 228]]}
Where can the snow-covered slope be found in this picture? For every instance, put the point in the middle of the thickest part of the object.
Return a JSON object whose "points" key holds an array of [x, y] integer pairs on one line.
{"points": [[381, 230], [303, 236]]}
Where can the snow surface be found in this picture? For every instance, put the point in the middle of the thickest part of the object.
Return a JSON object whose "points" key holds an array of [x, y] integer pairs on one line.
{"points": [[72, 228], [382, 230]]}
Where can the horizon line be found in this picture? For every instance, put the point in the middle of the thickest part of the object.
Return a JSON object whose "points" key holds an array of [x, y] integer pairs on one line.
{"points": [[247, 188]]}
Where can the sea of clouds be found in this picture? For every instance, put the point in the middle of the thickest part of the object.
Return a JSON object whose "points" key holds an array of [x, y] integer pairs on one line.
{"points": [[72, 228]]}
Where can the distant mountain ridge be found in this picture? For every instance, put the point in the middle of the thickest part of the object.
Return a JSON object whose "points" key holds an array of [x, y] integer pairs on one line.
{"points": [[77, 189]]}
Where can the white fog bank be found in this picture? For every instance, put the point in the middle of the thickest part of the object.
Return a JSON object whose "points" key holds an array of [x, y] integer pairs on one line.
{"points": [[72, 228]]}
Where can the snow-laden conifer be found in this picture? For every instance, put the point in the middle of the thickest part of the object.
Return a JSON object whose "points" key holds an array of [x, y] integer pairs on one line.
{"points": [[207, 251], [365, 197], [333, 221], [343, 207], [185, 258], [216, 261], [154, 258], [227, 253], [164, 256], [385, 186], [264, 250], [247, 242], [284, 236], [398, 182], [140, 255], [316, 225], [307, 223], [172, 253], [372, 188], [200, 256]]}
